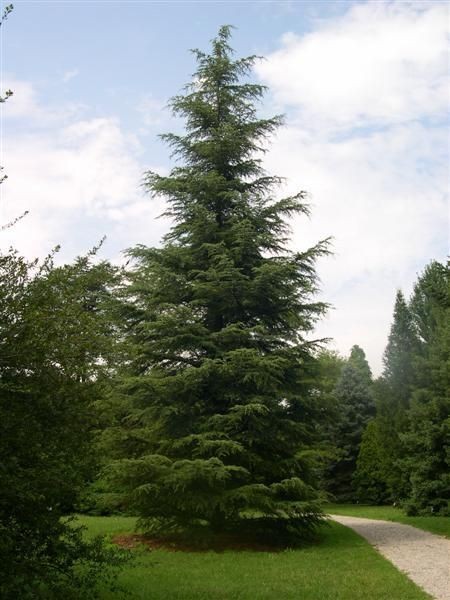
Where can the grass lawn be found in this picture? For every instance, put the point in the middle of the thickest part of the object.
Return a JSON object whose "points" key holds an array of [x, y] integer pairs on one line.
{"points": [[439, 525], [342, 566]]}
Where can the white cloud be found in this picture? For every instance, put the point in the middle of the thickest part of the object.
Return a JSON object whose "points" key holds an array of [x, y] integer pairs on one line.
{"points": [[26, 107], [79, 179], [380, 62], [364, 95], [387, 217], [68, 75], [23, 103]]}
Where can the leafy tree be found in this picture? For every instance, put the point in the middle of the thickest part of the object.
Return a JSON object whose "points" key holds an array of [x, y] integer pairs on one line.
{"points": [[355, 401], [54, 346], [221, 427], [56, 342]]}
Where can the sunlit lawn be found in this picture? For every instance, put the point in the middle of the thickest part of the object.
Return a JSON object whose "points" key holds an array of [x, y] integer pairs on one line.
{"points": [[341, 566]]}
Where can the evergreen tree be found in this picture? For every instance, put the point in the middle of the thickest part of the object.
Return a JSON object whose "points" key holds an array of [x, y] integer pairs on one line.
{"points": [[358, 360], [407, 448], [328, 368], [355, 403], [221, 425], [398, 357], [390, 423], [393, 396], [426, 458], [329, 365], [371, 466]]}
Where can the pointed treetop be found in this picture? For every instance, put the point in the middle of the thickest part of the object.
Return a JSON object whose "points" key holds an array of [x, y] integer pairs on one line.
{"points": [[358, 360]]}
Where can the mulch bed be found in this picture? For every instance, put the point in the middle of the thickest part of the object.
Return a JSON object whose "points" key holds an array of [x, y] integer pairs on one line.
{"points": [[134, 540]]}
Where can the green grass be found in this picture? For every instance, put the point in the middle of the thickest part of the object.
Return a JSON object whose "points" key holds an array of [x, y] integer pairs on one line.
{"points": [[439, 525], [107, 525], [342, 566]]}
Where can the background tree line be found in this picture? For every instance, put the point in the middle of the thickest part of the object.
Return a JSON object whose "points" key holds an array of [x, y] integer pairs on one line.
{"points": [[389, 440]]}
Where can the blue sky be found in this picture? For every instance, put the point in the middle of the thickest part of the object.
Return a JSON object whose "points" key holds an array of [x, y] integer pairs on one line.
{"points": [[364, 87], [112, 55]]}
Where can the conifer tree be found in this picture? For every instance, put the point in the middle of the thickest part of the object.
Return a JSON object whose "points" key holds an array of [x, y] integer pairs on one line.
{"points": [[358, 360], [221, 423], [355, 403], [372, 466], [412, 426], [398, 358], [425, 461], [393, 396]]}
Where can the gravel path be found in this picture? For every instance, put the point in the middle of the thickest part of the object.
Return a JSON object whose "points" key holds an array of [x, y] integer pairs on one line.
{"points": [[423, 556]]}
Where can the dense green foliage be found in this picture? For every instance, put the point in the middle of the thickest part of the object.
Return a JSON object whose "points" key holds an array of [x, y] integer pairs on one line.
{"points": [[373, 465], [398, 356], [54, 344], [221, 426], [354, 408], [405, 455], [426, 439]]}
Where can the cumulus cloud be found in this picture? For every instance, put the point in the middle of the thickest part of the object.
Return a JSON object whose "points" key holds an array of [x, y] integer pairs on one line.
{"points": [[79, 179], [25, 101], [380, 62], [25, 109], [365, 96], [68, 75]]}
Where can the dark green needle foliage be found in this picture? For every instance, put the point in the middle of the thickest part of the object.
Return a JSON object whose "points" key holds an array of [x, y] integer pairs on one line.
{"points": [[355, 404], [394, 393], [399, 371], [221, 425], [405, 453], [425, 461], [379, 476], [373, 466]]}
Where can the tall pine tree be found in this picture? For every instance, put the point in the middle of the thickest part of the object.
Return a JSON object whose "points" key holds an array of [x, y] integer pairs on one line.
{"points": [[405, 452], [393, 396], [355, 402], [398, 357], [425, 462], [221, 423]]}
